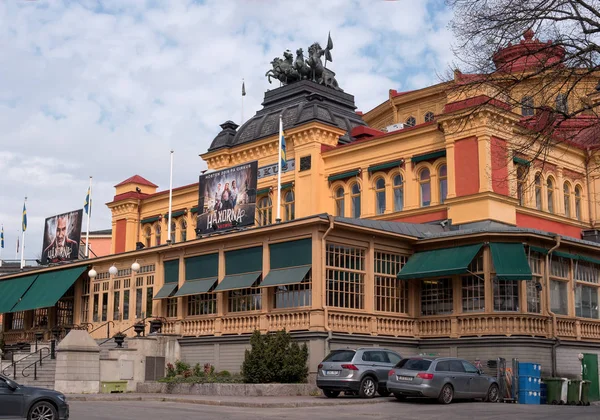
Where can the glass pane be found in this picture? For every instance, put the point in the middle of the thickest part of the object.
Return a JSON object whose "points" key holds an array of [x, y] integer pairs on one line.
{"points": [[558, 297], [443, 190], [398, 199], [380, 202], [425, 194]]}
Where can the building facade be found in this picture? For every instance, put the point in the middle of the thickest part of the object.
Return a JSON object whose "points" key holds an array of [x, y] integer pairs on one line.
{"points": [[441, 235]]}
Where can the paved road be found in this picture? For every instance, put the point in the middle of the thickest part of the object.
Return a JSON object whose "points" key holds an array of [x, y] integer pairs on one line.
{"points": [[390, 409]]}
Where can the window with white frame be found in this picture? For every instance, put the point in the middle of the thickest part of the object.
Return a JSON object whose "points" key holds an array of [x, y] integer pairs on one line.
{"points": [[265, 211], [538, 191], [559, 279], [550, 193], [567, 198], [425, 187], [391, 294], [586, 289], [521, 179], [202, 304], [157, 233], [243, 300], [345, 276], [506, 295], [172, 307], [534, 304], [578, 194], [339, 202], [473, 286], [436, 297], [380, 196], [183, 230], [443, 182], [355, 200], [398, 186], [289, 205], [294, 295]]}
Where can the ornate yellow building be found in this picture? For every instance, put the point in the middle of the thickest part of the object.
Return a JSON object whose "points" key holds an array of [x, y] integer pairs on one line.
{"points": [[428, 224]]}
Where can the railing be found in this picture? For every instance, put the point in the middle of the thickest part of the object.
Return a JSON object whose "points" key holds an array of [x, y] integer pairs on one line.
{"points": [[107, 325], [196, 327], [290, 321], [350, 323], [35, 364], [240, 324], [434, 327], [566, 327], [394, 326], [14, 362], [503, 324]]}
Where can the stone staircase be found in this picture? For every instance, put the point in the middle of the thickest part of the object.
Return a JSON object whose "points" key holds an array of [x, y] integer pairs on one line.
{"points": [[105, 347], [41, 376]]}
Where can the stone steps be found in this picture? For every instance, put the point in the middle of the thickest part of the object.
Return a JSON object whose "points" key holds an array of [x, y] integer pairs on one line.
{"points": [[105, 347], [37, 376]]}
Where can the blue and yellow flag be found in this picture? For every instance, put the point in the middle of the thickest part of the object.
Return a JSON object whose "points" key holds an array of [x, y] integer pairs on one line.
{"points": [[24, 221], [2, 237], [283, 157], [88, 204]]}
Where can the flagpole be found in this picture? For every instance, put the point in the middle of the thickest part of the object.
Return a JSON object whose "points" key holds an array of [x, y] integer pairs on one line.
{"points": [[87, 233], [243, 94], [23, 241], [278, 219], [170, 200], [17, 247], [1, 245]]}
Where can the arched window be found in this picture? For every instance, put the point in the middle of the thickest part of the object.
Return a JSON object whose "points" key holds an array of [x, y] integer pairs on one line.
{"points": [[380, 196], [429, 116], [527, 106], [173, 231], [562, 104], [265, 211], [148, 237], [425, 187], [411, 121], [290, 208], [355, 196], [521, 178], [398, 193], [538, 191], [183, 230], [339, 202], [550, 194], [578, 195], [567, 198], [443, 179], [157, 233]]}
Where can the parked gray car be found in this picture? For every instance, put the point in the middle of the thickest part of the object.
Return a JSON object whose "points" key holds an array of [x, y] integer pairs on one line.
{"points": [[362, 371], [444, 378], [25, 402]]}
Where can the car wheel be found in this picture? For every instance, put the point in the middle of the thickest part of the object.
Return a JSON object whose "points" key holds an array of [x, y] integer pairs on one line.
{"points": [[493, 394], [400, 397], [446, 395], [368, 387], [331, 394], [43, 411]]}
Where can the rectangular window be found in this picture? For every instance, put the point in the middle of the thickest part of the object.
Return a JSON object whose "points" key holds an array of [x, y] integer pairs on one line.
{"points": [[139, 282], [473, 289], [104, 307], [85, 287], [126, 304], [345, 273], [586, 271], [40, 318], [558, 297], [149, 296], [436, 297], [506, 295], [534, 304], [65, 310], [203, 304], [116, 306], [117, 284], [85, 308], [18, 321], [243, 300], [149, 280], [96, 308], [294, 295], [105, 286], [391, 294], [172, 308], [138, 303], [586, 301]]}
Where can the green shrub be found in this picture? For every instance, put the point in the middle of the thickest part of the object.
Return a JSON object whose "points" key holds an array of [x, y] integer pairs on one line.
{"points": [[198, 371], [181, 367], [275, 358], [170, 370]]}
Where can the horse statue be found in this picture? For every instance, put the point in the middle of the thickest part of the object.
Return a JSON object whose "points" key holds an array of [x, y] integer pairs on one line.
{"points": [[300, 65], [320, 74], [283, 69]]}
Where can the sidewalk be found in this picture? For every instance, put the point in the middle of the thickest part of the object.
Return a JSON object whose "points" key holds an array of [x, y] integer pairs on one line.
{"points": [[254, 402]]}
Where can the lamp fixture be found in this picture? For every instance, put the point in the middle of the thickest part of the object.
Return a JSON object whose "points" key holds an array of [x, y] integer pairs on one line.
{"points": [[113, 270], [92, 273], [135, 267]]}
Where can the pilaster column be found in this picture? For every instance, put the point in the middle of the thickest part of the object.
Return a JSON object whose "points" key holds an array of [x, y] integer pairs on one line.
{"points": [[485, 163], [451, 170], [370, 278], [559, 192], [411, 186]]}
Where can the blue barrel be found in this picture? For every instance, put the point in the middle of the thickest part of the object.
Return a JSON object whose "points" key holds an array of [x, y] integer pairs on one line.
{"points": [[529, 383]]}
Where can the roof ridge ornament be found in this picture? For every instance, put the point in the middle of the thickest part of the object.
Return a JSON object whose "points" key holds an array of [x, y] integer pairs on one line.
{"points": [[288, 71]]}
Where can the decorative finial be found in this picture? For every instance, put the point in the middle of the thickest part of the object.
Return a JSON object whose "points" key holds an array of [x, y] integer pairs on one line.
{"points": [[528, 34]]}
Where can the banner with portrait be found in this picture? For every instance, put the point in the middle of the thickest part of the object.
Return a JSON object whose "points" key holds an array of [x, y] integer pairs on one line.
{"points": [[227, 198], [62, 236]]}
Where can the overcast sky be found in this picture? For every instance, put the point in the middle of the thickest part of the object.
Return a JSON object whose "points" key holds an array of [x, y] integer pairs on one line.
{"points": [[107, 87]]}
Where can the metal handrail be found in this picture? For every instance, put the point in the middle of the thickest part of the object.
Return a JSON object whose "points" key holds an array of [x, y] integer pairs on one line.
{"points": [[34, 364], [107, 325], [14, 363], [143, 321]]}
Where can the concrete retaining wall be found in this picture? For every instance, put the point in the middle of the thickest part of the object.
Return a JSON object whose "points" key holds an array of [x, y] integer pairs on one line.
{"points": [[229, 390]]}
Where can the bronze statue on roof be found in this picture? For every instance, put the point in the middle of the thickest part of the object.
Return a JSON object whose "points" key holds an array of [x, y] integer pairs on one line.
{"points": [[288, 71]]}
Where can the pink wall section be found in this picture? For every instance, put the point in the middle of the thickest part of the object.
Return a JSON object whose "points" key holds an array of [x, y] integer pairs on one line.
{"points": [[499, 166], [533, 222], [466, 166]]}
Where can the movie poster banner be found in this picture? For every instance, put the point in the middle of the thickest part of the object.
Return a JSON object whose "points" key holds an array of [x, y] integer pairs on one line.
{"points": [[62, 236], [227, 198]]}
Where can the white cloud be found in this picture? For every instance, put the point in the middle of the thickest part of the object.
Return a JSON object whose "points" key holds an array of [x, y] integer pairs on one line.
{"points": [[107, 88]]}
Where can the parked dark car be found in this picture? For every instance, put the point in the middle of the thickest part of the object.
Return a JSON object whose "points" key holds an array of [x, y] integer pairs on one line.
{"points": [[362, 371], [25, 402], [444, 378]]}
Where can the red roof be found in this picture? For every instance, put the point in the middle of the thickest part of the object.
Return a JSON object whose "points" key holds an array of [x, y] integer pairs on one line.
{"points": [[475, 101], [136, 179], [582, 131]]}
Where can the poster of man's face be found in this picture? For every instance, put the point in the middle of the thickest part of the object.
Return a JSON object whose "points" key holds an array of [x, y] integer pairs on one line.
{"points": [[62, 235], [227, 198]]}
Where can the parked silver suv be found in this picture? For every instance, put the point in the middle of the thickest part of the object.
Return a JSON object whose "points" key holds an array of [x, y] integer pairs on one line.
{"points": [[363, 371]]}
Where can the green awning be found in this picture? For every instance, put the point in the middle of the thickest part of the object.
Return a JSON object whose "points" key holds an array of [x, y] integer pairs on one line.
{"points": [[439, 262], [238, 281], [542, 251], [48, 288], [245, 260], [194, 210], [287, 185], [171, 271], [344, 175], [510, 261], [589, 259], [283, 276], [263, 191], [291, 253], [428, 156], [150, 219], [12, 290], [384, 166], [202, 266], [521, 161], [565, 255], [196, 287], [166, 291], [175, 214]]}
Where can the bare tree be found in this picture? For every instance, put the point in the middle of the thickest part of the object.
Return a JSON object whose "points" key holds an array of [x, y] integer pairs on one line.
{"points": [[518, 50]]}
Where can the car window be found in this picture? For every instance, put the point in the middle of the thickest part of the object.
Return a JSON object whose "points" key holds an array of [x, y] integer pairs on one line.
{"points": [[443, 366], [377, 356], [469, 368], [414, 364], [3, 383], [340, 356], [456, 366], [394, 358]]}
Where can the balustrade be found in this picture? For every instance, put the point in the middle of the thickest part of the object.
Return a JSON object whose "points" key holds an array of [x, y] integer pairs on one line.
{"points": [[290, 321], [240, 324], [503, 324]]}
